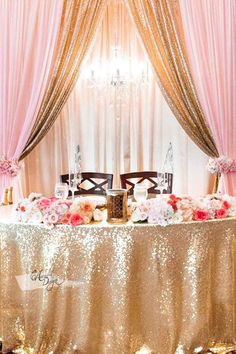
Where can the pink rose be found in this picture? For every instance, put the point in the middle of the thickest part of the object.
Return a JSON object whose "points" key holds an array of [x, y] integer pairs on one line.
{"points": [[200, 215], [226, 205], [76, 220], [66, 218], [221, 213], [53, 199], [44, 203]]}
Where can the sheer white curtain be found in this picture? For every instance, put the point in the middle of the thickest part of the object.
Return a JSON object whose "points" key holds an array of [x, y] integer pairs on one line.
{"points": [[138, 141]]}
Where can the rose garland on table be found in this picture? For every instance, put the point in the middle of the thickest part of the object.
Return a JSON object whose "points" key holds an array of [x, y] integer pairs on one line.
{"points": [[172, 209], [37, 209]]}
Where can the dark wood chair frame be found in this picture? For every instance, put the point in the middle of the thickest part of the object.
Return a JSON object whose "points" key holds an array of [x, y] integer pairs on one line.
{"points": [[145, 175], [98, 188]]}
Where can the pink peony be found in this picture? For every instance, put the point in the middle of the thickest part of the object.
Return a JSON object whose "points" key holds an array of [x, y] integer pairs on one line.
{"points": [[44, 203], [200, 215], [221, 213], [75, 220]]}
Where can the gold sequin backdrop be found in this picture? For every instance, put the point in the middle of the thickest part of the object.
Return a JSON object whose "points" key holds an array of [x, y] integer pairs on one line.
{"points": [[158, 23], [80, 21]]}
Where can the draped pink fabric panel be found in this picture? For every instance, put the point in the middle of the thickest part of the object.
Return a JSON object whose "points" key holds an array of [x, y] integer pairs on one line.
{"points": [[28, 39], [210, 32]]}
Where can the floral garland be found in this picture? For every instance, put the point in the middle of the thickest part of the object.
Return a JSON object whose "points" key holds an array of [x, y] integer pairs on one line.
{"points": [[221, 164], [37, 209], [9, 167], [172, 209]]}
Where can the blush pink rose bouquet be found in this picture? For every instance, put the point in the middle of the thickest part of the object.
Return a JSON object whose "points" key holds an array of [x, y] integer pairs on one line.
{"points": [[52, 211]]}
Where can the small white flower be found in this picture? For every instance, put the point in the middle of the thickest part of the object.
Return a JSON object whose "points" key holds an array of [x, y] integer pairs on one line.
{"points": [[74, 208], [232, 211], [52, 218], [26, 216], [178, 217], [135, 217], [97, 215], [48, 225], [36, 217], [143, 216]]}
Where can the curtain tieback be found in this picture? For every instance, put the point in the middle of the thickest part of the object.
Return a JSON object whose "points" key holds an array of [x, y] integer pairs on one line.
{"points": [[9, 167], [221, 164]]}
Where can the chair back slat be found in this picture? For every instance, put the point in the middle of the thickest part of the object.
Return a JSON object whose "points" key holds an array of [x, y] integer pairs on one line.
{"points": [[97, 188], [150, 176]]}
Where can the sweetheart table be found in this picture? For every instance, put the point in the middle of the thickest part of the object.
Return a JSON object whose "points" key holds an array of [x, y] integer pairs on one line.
{"points": [[118, 289]]}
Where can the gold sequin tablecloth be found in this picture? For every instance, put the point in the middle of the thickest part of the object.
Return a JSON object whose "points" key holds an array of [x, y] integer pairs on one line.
{"points": [[118, 289]]}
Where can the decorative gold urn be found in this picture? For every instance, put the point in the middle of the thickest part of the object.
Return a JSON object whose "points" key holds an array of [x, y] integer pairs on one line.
{"points": [[117, 206]]}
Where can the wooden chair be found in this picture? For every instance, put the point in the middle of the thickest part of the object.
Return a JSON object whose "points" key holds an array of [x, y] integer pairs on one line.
{"points": [[150, 177], [99, 183]]}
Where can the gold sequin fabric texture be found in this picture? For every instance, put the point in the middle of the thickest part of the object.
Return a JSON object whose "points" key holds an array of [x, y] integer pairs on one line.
{"points": [[119, 289]]}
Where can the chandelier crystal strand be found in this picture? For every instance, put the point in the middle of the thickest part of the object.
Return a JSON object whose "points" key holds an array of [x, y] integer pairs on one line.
{"points": [[120, 77]]}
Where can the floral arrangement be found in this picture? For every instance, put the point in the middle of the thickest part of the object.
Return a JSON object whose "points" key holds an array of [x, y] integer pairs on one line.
{"points": [[170, 210], [221, 164], [51, 211], [9, 167]]}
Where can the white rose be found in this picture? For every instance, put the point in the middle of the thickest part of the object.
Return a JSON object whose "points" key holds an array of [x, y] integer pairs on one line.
{"points": [[25, 217], [136, 216], [74, 208], [97, 215], [52, 218], [36, 218], [143, 216], [86, 219]]}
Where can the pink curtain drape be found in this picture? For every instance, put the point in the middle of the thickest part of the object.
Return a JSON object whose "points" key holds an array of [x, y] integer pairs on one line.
{"points": [[210, 33], [28, 41]]}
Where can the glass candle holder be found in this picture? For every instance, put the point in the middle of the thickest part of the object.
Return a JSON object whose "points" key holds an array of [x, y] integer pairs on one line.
{"points": [[117, 206], [61, 190], [140, 192]]}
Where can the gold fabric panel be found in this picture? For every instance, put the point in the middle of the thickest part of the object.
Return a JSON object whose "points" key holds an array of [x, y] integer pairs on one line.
{"points": [[122, 288], [159, 25], [80, 21]]}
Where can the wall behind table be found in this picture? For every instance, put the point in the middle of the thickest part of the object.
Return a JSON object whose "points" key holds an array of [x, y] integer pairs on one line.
{"points": [[138, 141]]}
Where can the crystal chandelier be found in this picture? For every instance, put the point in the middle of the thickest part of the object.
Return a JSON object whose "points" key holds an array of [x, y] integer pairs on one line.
{"points": [[119, 77]]}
